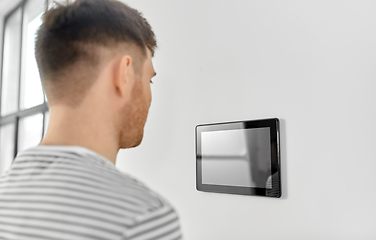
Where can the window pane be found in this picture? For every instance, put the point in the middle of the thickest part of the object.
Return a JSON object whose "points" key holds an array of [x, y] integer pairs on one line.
{"points": [[31, 88], [6, 147], [30, 131], [11, 63]]}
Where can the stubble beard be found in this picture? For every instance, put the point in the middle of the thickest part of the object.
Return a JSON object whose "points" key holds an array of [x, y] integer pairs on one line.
{"points": [[133, 121]]}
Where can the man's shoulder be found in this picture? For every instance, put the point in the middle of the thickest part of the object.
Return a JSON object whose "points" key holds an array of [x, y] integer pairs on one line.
{"points": [[88, 174], [83, 196]]}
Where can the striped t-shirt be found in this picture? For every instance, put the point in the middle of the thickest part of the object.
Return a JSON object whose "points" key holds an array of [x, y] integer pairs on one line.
{"points": [[66, 192]]}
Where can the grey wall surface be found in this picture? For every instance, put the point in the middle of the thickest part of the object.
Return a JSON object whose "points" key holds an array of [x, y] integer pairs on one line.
{"points": [[312, 64]]}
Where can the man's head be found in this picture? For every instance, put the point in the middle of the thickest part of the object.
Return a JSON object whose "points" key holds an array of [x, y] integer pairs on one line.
{"points": [[88, 41]]}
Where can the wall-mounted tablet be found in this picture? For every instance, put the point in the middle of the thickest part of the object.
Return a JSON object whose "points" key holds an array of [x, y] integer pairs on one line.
{"points": [[239, 158]]}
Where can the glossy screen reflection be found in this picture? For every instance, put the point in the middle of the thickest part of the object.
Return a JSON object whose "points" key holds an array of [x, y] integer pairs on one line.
{"points": [[239, 157]]}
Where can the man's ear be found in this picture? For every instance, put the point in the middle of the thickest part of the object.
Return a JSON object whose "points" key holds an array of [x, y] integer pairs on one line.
{"points": [[124, 76]]}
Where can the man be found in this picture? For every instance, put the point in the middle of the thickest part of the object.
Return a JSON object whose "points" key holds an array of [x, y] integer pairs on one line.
{"points": [[94, 59]]}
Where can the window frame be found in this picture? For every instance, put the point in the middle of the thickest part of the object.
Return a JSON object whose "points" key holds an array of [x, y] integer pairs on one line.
{"points": [[15, 117]]}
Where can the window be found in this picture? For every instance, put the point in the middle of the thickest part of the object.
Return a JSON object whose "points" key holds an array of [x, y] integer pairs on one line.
{"points": [[23, 108]]}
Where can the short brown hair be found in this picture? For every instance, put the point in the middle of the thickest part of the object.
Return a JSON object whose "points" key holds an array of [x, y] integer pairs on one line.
{"points": [[70, 32]]}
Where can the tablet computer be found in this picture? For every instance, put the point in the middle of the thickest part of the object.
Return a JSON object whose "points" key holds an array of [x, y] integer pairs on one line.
{"points": [[239, 158]]}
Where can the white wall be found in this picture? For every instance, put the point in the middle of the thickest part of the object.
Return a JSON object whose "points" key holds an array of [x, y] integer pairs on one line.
{"points": [[311, 64], [1, 41]]}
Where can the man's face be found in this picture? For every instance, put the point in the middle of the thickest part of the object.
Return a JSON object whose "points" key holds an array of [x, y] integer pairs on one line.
{"points": [[136, 111]]}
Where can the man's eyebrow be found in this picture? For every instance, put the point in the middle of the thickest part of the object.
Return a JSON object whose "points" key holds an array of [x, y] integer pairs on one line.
{"points": [[154, 74]]}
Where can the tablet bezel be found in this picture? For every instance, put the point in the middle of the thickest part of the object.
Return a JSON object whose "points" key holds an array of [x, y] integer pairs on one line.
{"points": [[273, 124]]}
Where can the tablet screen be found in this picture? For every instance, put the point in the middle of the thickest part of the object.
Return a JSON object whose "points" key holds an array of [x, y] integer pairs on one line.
{"points": [[239, 157]]}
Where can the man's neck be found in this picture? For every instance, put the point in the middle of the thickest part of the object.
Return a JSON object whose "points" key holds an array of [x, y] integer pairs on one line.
{"points": [[69, 127]]}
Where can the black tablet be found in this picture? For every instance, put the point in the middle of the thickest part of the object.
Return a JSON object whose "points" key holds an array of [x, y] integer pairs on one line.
{"points": [[239, 158]]}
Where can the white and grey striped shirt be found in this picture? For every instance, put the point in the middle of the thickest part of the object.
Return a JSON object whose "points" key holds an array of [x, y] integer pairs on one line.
{"points": [[66, 192]]}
